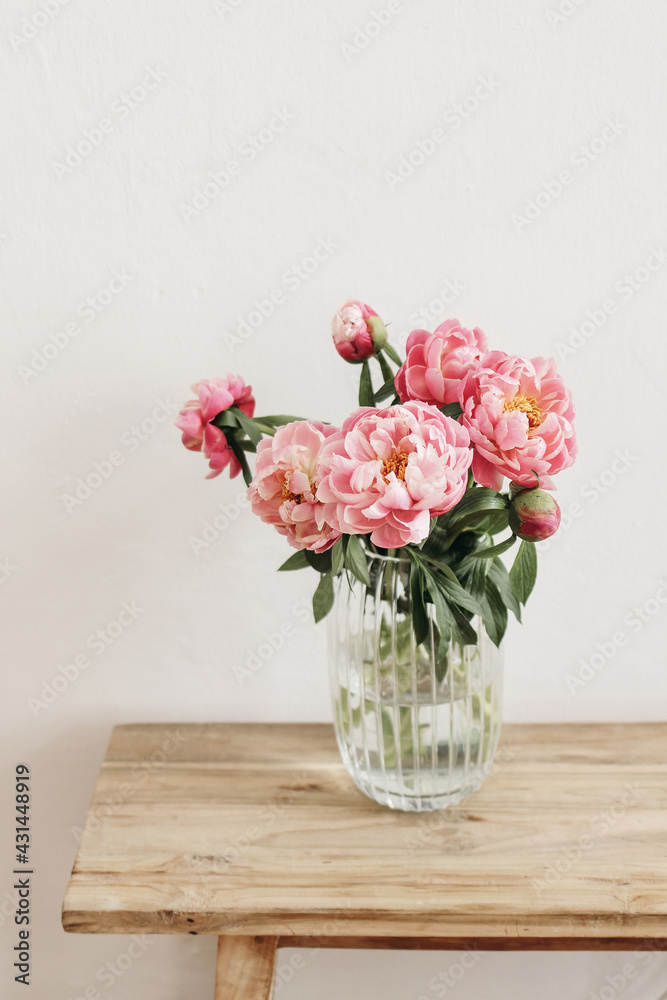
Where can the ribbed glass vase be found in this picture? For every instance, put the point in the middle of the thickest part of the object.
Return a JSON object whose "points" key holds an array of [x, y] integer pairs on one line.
{"points": [[416, 731]]}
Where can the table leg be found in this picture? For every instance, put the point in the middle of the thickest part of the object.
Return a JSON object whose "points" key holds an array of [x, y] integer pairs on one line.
{"points": [[245, 967]]}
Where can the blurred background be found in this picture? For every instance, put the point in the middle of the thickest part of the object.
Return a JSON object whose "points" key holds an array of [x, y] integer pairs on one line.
{"points": [[192, 187]]}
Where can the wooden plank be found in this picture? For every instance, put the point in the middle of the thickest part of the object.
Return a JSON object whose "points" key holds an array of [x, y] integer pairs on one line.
{"points": [[255, 743], [222, 745], [245, 968], [258, 830], [375, 943]]}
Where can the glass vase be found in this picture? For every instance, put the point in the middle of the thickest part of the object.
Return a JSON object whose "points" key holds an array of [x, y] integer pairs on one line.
{"points": [[416, 730]]}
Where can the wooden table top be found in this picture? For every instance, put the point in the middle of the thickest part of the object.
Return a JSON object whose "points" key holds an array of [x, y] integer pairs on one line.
{"points": [[258, 829]]}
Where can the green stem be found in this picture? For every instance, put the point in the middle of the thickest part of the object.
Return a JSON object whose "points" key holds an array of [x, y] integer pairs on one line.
{"points": [[265, 428]]}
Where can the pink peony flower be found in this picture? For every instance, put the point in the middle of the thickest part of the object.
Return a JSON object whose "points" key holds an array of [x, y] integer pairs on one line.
{"points": [[213, 396], [436, 362], [519, 414], [389, 471], [284, 487], [356, 334]]}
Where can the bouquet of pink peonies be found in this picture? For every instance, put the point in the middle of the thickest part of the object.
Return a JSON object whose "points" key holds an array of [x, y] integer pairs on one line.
{"points": [[421, 477]]}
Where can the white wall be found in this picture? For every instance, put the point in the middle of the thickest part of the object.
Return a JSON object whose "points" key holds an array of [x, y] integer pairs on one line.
{"points": [[219, 72]]}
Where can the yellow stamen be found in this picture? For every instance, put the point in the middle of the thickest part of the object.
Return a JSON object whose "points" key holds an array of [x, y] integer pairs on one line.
{"points": [[527, 405], [296, 497], [397, 464]]}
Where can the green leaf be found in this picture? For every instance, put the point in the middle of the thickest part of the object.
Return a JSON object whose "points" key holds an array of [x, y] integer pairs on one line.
{"points": [[454, 589], [480, 499], [226, 418], [449, 572], [441, 665], [297, 561], [524, 571], [476, 580], [448, 582], [278, 420], [491, 523], [498, 573], [456, 594], [495, 613], [248, 425], [386, 390], [392, 354], [462, 630], [385, 369], [321, 561], [490, 552], [443, 612], [238, 451], [267, 429], [355, 559], [437, 543], [452, 410], [450, 616], [337, 557], [420, 620], [366, 397], [323, 597], [495, 550]]}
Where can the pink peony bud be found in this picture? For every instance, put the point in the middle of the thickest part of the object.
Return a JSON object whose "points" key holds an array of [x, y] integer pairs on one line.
{"points": [[358, 332], [534, 515]]}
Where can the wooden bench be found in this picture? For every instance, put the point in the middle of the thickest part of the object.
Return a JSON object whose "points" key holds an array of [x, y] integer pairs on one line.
{"points": [[256, 833]]}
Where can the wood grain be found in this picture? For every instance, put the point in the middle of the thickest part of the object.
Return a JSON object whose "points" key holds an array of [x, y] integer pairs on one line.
{"points": [[245, 968], [258, 830]]}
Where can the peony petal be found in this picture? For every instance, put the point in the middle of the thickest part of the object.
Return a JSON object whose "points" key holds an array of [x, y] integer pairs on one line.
{"points": [[485, 473]]}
